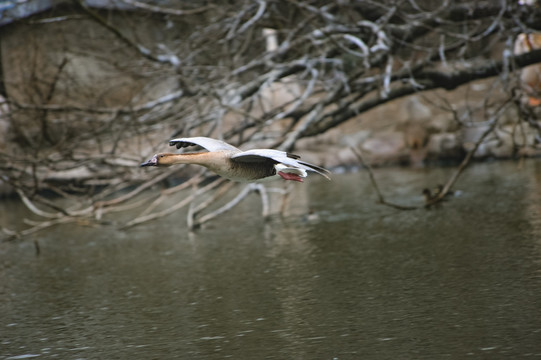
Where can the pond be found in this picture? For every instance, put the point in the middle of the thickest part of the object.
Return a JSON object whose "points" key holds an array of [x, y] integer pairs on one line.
{"points": [[354, 280]]}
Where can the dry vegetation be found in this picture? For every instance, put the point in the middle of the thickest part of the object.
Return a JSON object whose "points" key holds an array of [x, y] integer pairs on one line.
{"points": [[332, 60]]}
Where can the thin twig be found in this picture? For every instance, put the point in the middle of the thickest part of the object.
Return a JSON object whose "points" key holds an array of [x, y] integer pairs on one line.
{"points": [[265, 212], [452, 180], [101, 110], [135, 191], [241, 195], [493, 122], [172, 209], [170, 59], [314, 115], [286, 198], [381, 199], [165, 194], [167, 11], [11, 234], [30, 205], [251, 21], [211, 200]]}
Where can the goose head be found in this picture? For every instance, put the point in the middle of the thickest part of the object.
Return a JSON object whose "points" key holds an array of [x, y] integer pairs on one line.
{"points": [[160, 160], [152, 162]]}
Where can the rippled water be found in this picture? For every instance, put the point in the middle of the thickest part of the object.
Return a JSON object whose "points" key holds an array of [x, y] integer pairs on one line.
{"points": [[355, 280]]}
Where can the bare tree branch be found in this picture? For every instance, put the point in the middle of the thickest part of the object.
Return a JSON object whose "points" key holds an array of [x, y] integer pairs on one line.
{"points": [[381, 199], [167, 11], [145, 52], [216, 77]]}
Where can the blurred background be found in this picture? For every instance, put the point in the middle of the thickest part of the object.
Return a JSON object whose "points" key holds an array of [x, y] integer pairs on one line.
{"points": [[90, 89], [407, 102]]}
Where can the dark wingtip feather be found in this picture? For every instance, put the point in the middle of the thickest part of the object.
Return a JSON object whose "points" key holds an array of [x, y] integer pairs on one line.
{"points": [[293, 156], [318, 169], [180, 144]]}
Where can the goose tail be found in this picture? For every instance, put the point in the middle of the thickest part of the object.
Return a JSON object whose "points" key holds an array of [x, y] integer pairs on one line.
{"points": [[317, 169]]}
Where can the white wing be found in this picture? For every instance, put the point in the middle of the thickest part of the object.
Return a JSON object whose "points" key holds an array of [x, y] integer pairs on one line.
{"points": [[205, 142], [277, 156], [261, 155]]}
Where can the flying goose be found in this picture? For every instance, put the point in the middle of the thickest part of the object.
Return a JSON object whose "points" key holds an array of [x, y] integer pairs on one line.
{"points": [[237, 165]]}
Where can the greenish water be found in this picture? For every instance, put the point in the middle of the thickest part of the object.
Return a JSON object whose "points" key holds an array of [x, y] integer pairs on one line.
{"points": [[360, 281]]}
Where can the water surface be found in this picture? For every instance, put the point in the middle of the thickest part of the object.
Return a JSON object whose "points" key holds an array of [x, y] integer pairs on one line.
{"points": [[356, 281]]}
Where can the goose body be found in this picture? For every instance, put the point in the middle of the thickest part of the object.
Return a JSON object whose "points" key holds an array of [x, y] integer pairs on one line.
{"points": [[237, 165]]}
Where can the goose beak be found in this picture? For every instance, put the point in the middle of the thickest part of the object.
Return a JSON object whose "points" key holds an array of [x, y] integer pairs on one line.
{"points": [[151, 162]]}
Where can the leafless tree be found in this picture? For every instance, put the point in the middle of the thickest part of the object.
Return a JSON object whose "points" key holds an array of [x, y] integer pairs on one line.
{"points": [[336, 60]]}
